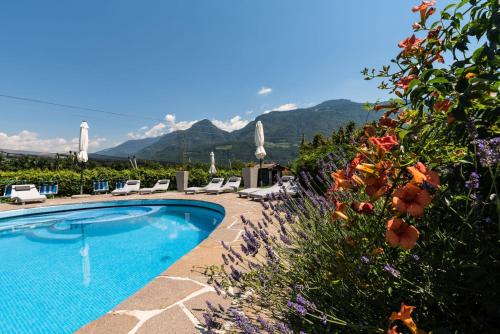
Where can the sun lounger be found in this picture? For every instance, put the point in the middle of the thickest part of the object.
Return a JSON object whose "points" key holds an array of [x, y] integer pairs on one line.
{"points": [[49, 188], [284, 180], [231, 186], [101, 186], [160, 186], [284, 185], [7, 191], [26, 193], [131, 186], [215, 184]]}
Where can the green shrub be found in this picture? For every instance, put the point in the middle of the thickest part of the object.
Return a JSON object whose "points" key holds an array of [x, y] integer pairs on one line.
{"points": [[69, 180]]}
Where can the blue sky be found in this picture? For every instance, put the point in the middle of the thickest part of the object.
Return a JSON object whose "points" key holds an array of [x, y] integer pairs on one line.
{"points": [[194, 59]]}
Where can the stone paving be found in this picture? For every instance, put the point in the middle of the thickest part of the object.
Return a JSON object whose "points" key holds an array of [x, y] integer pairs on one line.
{"points": [[174, 301]]}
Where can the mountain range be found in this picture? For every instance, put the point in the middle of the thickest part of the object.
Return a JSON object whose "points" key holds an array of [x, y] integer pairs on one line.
{"points": [[283, 132]]}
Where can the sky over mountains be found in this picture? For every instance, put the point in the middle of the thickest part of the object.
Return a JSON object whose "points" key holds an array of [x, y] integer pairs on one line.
{"points": [[159, 66]]}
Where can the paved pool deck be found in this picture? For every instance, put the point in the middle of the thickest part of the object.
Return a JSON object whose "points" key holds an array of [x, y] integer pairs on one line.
{"points": [[174, 301]]}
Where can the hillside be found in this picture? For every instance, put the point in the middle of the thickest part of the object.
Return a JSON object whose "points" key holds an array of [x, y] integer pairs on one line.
{"points": [[283, 131]]}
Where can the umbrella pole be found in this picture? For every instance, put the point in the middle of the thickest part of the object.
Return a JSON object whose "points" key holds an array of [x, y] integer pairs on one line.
{"points": [[81, 178], [260, 173]]}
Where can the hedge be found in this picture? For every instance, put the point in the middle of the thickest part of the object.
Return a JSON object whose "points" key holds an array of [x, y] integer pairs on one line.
{"points": [[69, 180]]}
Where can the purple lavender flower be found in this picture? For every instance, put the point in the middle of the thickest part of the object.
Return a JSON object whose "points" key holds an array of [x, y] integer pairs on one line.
{"points": [[226, 262], [238, 255], [488, 151], [225, 245], [395, 273], [365, 260], [286, 240], [416, 257], [243, 322], [235, 274], [268, 327], [283, 328], [210, 322], [210, 306], [300, 309], [473, 182], [302, 301]]}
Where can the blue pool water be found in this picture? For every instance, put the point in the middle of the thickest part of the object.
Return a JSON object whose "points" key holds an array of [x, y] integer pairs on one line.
{"points": [[63, 267]]}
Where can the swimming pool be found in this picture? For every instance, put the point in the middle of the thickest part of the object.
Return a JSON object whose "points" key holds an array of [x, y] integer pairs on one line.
{"points": [[64, 266]]}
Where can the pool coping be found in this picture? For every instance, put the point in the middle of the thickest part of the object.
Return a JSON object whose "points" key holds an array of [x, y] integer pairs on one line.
{"points": [[173, 302]]}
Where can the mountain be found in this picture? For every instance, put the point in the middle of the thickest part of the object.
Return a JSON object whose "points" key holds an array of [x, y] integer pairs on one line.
{"points": [[129, 147], [283, 131]]}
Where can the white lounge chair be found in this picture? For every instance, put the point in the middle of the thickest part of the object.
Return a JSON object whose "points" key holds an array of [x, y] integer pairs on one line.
{"points": [[246, 192], [26, 193], [284, 185], [160, 186], [215, 184], [231, 186], [131, 186]]}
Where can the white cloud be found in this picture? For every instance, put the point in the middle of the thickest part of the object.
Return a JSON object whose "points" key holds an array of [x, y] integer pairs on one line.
{"points": [[161, 128], [283, 107], [30, 141], [174, 126], [171, 125], [264, 91], [249, 112], [234, 123]]}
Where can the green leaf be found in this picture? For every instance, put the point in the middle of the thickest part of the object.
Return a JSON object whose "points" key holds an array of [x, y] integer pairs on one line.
{"points": [[438, 80]]}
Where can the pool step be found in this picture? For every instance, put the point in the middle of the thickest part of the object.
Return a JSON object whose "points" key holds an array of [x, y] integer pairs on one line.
{"points": [[45, 235]]}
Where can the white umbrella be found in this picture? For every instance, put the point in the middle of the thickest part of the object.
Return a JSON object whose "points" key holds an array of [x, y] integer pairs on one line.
{"points": [[83, 147], [260, 153], [83, 143], [212, 169]]}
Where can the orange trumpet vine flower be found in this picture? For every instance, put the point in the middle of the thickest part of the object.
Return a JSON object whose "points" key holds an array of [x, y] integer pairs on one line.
{"points": [[410, 45], [421, 174], [362, 207], [376, 186], [385, 143], [399, 233], [404, 315], [341, 181], [443, 105], [404, 82], [411, 199], [424, 13], [339, 212]]}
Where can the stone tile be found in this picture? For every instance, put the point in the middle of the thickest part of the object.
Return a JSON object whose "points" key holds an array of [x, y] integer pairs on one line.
{"points": [[193, 262], [171, 321], [224, 234], [158, 294], [110, 324], [198, 305]]}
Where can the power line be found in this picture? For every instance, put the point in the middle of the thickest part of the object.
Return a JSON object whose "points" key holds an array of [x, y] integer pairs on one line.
{"points": [[27, 99]]}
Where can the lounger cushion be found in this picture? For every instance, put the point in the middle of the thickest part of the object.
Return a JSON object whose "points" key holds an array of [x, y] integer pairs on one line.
{"points": [[23, 187], [216, 180], [233, 179], [163, 181], [287, 178], [132, 182]]}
